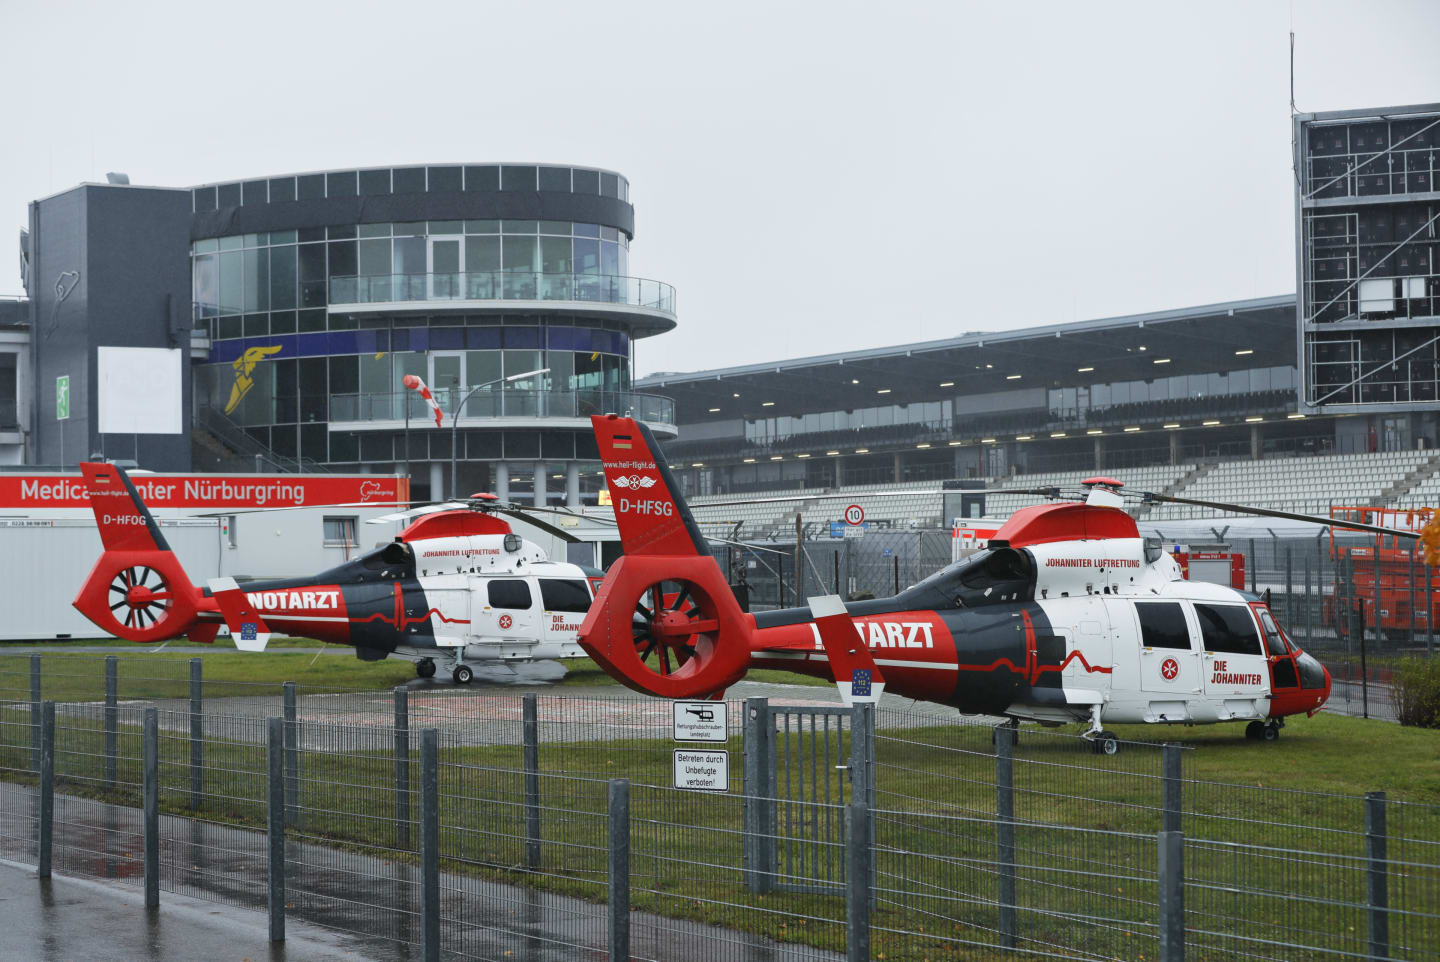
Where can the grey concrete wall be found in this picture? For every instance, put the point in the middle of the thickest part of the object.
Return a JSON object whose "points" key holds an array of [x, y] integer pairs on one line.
{"points": [[122, 254]]}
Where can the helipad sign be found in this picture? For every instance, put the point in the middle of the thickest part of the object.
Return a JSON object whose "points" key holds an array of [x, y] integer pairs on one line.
{"points": [[700, 721]]}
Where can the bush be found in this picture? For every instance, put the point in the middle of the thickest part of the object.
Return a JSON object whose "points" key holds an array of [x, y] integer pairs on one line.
{"points": [[1417, 692]]}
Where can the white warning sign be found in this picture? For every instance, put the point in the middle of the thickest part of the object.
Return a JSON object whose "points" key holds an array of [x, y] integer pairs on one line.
{"points": [[700, 770], [700, 721]]}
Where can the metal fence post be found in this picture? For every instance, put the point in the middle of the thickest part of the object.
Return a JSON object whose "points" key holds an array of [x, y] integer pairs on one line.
{"points": [[1377, 614], [896, 566], [1309, 610], [1378, 888], [292, 758], [152, 807], [1429, 616], [531, 725], [619, 870], [862, 753], [35, 713], [1171, 877], [112, 713], [1364, 668], [1254, 561], [1005, 833], [47, 788], [1289, 588], [430, 844], [858, 868], [1173, 787], [402, 767], [275, 825], [197, 733], [758, 748]]}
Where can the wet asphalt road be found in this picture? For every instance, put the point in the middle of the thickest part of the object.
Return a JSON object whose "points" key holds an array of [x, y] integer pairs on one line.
{"points": [[65, 919], [374, 898]]}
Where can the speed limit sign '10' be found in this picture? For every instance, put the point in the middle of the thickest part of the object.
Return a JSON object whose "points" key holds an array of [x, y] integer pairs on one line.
{"points": [[854, 514]]}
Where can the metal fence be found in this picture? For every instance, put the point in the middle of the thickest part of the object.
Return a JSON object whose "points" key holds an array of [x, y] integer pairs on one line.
{"points": [[472, 825]]}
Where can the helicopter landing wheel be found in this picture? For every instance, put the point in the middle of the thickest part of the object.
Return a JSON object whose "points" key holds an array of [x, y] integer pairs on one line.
{"points": [[1105, 743], [1262, 731], [462, 675], [425, 668]]}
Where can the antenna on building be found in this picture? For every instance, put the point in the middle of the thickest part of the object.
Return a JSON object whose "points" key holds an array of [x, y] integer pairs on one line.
{"points": [[111, 177]]}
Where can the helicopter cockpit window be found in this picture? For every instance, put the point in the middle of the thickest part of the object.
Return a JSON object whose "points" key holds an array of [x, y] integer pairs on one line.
{"points": [[1229, 629], [1274, 640], [510, 593], [993, 576], [1162, 625], [386, 556], [558, 594]]}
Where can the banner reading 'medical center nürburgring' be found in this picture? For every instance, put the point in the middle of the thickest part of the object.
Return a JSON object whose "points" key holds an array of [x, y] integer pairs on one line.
{"points": [[216, 491]]}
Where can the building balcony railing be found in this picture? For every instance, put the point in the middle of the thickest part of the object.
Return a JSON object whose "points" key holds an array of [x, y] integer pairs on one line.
{"points": [[505, 404], [504, 286]]}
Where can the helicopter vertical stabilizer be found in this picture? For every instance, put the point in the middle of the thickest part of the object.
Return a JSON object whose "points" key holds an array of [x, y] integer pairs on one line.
{"points": [[856, 674], [652, 518]]}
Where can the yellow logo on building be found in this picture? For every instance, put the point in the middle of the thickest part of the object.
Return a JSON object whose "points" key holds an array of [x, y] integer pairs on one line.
{"points": [[244, 367]]}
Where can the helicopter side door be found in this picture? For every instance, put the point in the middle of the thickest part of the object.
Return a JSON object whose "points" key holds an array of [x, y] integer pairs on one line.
{"points": [[1170, 660], [1236, 672], [564, 602], [509, 612]]}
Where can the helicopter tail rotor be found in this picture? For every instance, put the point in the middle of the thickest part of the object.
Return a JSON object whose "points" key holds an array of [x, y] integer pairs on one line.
{"points": [[668, 626], [137, 590]]}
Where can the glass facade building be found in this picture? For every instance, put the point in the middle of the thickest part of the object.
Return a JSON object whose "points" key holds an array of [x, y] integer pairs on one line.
{"points": [[319, 292]]}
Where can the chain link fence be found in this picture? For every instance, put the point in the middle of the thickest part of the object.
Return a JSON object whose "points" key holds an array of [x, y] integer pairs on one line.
{"points": [[521, 826]]}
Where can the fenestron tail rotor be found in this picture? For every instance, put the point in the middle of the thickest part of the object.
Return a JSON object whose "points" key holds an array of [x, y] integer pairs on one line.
{"points": [[140, 597], [669, 627]]}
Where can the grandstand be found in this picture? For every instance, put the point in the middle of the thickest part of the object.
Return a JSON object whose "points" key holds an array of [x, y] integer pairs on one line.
{"points": [[1310, 485], [1305, 485]]}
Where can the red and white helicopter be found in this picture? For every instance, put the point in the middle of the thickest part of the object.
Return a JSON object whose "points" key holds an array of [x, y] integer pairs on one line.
{"points": [[456, 587], [1066, 615]]}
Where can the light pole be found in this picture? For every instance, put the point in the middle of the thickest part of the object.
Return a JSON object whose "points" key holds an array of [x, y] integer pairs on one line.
{"points": [[455, 418]]}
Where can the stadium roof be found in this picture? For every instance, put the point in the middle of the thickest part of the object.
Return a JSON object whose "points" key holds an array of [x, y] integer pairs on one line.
{"points": [[1193, 340]]}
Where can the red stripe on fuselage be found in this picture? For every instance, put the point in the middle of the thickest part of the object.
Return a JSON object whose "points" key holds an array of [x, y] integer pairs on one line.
{"points": [[401, 621], [919, 681], [308, 611]]}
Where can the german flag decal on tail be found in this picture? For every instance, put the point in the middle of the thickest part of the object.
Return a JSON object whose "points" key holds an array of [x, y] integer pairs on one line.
{"points": [[653, 519]]}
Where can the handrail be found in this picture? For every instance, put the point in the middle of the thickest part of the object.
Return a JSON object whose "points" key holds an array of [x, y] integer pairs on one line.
{"points": [[236, 439], [504, 286], [507, 403]]}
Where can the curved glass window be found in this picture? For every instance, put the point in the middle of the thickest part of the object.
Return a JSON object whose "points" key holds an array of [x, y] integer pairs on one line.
{"points": [[374, 263]]}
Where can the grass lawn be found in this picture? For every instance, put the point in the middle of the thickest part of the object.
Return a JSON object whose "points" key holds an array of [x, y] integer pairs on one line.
{"points": [[81, 676], [1327, 753]]}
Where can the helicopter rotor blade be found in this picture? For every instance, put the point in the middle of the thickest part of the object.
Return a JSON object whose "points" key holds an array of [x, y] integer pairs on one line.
{"points": [[1148, 497], [545, 526], [430, 508]]}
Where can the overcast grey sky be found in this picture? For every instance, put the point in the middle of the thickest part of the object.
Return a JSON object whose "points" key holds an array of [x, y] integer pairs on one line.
{"points": [[811, 177]]}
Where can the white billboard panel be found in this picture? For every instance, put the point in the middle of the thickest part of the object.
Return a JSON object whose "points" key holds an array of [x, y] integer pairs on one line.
{"points": [[140, 390]]}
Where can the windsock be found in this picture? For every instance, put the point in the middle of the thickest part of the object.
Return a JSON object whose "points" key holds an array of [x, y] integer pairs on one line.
{"points": [[414, 383]]}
